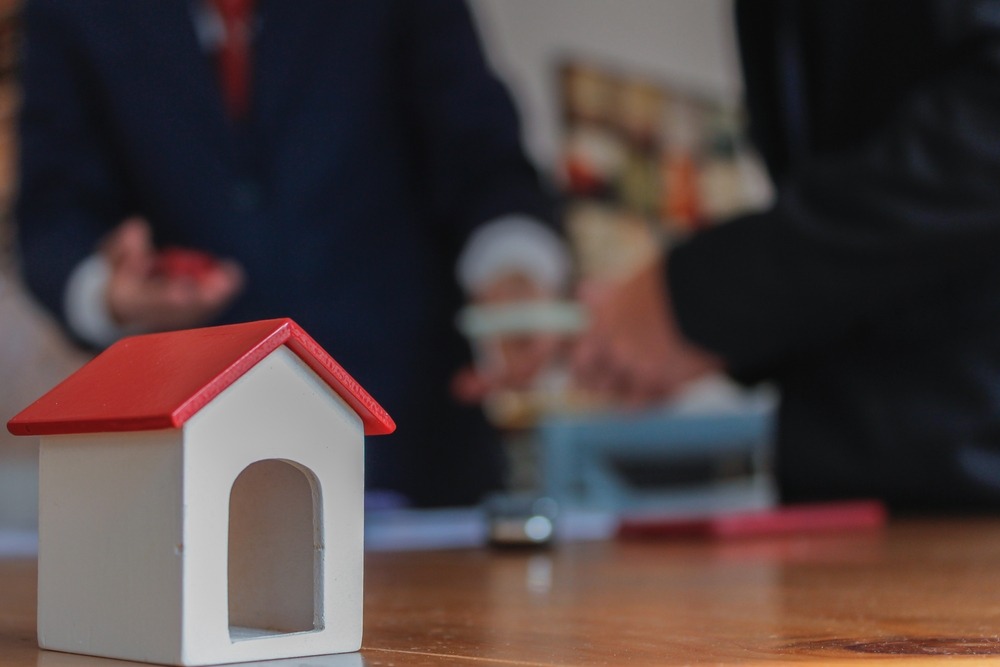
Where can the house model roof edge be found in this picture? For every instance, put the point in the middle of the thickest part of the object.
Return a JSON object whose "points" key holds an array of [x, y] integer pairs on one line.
{"points": [[376, 420], [285, 331]]}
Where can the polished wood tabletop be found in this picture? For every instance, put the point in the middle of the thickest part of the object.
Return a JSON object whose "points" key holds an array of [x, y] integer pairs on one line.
{"points": [[917, 592]]}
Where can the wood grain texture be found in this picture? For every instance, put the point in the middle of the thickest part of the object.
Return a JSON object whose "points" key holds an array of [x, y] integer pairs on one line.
{"points": [[920, 592]]}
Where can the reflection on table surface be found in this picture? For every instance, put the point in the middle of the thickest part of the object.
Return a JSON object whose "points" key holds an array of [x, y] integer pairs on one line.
{"points": [[920, 591]]}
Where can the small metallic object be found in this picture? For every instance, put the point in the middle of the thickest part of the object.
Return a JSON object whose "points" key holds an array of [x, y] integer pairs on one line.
{"points": [[520, 520]]}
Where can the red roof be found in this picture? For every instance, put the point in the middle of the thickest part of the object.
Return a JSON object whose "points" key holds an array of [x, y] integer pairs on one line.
{"points": [[159, 381]]}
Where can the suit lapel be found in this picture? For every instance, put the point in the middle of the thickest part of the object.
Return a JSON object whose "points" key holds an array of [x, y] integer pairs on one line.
{"points": [[166, 29], [285, 53]]}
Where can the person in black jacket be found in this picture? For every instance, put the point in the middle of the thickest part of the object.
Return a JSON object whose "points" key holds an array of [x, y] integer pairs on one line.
{"points": [[870, 290]]}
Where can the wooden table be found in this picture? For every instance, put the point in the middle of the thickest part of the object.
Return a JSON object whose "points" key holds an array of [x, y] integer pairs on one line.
{"points": [[920, 592]]}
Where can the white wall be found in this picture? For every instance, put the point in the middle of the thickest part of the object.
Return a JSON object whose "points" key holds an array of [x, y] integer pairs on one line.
{"points": [[685, 42]]}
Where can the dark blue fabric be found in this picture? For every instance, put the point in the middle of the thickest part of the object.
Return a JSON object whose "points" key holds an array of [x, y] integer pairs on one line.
{"points": [[377, 141]]}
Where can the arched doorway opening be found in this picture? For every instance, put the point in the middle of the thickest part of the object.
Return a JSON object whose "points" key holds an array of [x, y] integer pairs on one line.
{"points": [[275, 551]]}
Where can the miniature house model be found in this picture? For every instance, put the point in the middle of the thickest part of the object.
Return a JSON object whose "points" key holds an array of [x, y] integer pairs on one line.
{"points": [[201, 499]]}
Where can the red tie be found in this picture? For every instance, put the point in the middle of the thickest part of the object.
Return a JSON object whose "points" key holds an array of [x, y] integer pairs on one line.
{"points": [[234, 56]]}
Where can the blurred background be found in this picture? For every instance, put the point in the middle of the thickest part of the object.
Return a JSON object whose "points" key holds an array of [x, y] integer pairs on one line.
{"points": [[633, 108], [34, 355]]}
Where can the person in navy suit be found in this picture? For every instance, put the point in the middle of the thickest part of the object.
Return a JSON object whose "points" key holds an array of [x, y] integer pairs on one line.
{"points": [[368, 146]]}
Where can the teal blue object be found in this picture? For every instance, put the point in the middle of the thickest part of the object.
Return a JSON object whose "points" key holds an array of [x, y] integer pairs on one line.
{"points": [[659, 461]]}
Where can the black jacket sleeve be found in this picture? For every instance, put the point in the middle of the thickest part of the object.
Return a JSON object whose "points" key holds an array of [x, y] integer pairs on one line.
{"points": [[859, 228]]}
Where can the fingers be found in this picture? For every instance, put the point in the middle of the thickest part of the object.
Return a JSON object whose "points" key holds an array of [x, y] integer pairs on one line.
{"points": [[618, 372], [180, 302], [142, 296], [160, 304], [220, 285], [515, 362], [129, 248], [633, 375], [589, 363], [632, 352]]}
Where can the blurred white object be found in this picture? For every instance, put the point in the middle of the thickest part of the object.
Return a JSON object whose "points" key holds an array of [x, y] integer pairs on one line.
{"points": [[560, 317]]}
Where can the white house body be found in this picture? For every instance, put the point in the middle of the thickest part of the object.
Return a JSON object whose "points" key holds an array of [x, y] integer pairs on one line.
{"points": [[235, 536]]}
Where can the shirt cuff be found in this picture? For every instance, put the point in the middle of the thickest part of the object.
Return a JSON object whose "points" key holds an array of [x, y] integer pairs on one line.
{"points": [[514, 244], [85, 304]]}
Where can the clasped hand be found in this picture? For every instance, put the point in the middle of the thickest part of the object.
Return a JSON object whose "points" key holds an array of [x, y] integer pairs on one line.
{"points": [[148, 291], [631, 350]]}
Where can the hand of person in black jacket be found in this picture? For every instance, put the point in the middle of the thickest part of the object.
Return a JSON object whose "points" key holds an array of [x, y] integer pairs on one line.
{"points": [[632, 349]]}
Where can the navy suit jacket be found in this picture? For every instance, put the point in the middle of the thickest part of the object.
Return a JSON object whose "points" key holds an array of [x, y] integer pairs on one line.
{"points": [[377, 140], [870, 291]]}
